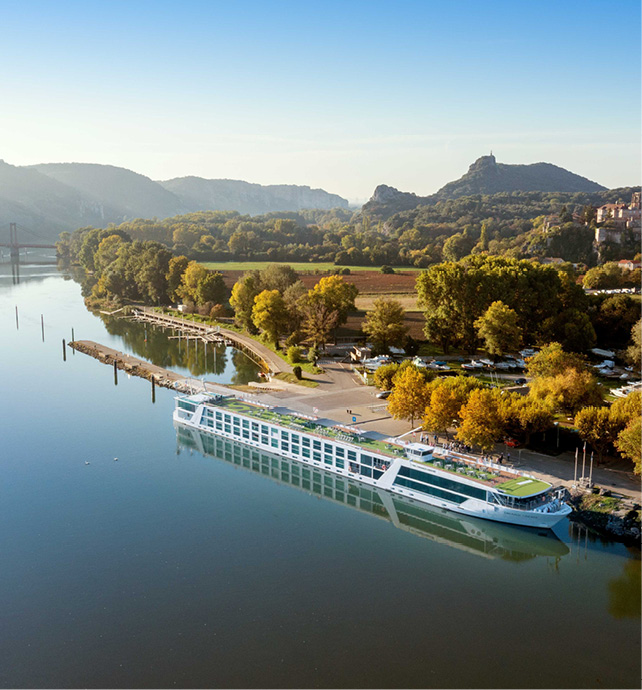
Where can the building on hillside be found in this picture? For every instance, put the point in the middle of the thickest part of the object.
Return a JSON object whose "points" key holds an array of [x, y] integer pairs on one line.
{"points": [[629, 265], [620, 217], [551, 260]]}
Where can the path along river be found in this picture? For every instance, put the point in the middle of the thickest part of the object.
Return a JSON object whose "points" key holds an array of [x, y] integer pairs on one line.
{"points": [[187, 564]]}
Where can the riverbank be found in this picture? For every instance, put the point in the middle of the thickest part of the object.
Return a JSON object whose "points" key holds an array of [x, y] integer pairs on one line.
{"points": [[604, 516]]}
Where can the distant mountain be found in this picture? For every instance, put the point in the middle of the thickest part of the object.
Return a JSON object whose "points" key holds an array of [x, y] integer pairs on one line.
{"points": [[484, 176], [487, 176], [127, 194], [51, 197], [198, 194], [42, 204]]}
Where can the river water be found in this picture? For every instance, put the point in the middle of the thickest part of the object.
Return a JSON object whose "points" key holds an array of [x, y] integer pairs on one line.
{"points": [[189, 563]]}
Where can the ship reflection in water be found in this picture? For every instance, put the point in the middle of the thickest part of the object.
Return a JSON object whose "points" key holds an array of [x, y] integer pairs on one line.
{"points": [[481, 537]]}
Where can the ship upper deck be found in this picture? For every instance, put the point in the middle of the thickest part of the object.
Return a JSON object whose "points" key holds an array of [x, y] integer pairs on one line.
{"points": [[510, 483]]}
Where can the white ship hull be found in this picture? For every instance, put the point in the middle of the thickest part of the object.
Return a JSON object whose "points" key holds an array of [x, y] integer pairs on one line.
{"points": [[545, 516]]}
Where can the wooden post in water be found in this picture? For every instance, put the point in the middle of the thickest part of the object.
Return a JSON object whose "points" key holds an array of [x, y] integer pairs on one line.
{"points": [[115, 374], [42, 326], [64, 351], [17, 326], [73, 340], [153, 390]]}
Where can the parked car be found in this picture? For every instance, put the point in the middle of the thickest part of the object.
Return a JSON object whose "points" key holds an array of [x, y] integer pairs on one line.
{"points": [[383, 395], [520, 382]]}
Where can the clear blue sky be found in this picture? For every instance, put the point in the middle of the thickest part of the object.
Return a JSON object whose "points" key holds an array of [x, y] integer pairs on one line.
{"points": [[339, 95]]}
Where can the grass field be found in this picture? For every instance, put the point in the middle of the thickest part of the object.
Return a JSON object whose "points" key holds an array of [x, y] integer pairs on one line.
{"points": [[300, 266]]}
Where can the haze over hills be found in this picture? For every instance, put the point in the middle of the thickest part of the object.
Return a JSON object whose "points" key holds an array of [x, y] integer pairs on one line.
{"points": [[197, 194], [51, 197], [484, 176]]}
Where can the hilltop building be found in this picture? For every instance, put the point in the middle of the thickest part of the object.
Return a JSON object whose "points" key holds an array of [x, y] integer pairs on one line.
{"points": [[620, 217]]}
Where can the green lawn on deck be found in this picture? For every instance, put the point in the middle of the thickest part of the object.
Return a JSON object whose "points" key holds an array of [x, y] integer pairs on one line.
{"points": [[523, 486]]}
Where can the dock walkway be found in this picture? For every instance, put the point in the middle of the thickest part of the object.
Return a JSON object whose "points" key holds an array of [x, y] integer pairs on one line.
{"points": [[256, 351]]}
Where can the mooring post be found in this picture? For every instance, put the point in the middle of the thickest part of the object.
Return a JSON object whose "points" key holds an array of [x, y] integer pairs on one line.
{"points": [[17, 326], [64, 351], [42, 326], [153, 390], [115, 374]]}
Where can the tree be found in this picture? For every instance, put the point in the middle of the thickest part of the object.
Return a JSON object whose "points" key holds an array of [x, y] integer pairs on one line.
{"points": [[499, 329], [629, 445], [447, 396], [552, 360], [410, 395], [569, 391], [278, 277], [384, 325], [524, 415], [337, 295], [481, 423], [384, 375], [211, 288], [175, 270], [269, 314], [192, 276], [107, 252], [319, 319], [599, 427], [634, 351], [244, 291]]}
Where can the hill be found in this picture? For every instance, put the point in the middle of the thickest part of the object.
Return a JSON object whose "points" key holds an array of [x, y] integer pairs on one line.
{"points": [[197, 194], [43, 204], [484, 177]]}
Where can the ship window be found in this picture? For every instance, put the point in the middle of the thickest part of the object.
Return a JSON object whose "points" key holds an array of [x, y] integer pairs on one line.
{"points": [[236, 421], [255, 426], [306, 442], [340, 452], [219, 416], [340, 463], [246, 423], [431, 490], [264, 440], [316, 445], [327, 448], [376, 474], [285, 446], [352, 455], [264, 429], [274, 432], [306, 452], [316, 456], [327, 459], [246, 433], [366, 472], [444, 482], [187, 405], [366, 460], [274, 443], [295, 438], [285, 436]]}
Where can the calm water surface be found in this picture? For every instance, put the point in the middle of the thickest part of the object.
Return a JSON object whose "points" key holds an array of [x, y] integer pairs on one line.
{"points": [[189, 563]]}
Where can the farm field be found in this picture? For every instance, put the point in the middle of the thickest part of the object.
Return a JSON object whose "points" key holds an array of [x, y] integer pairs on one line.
{"points": [[299, 266]]}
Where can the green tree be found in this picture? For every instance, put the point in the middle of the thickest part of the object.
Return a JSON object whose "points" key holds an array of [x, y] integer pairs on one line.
{"points": [[337, 296], [107, 252], [628, 443], [499, 329], [242, 299], [410, 395], [319, 319], [211, 288], [175, 270], [634, 351], [269, 314], [384, 324]]}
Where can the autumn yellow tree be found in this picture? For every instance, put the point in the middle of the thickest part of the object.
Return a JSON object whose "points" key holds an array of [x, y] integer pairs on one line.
{"points": [[447, 396], [481, 423], [270, 314], [409, 396]]}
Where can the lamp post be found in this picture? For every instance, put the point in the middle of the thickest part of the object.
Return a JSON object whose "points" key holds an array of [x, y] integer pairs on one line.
{"points": [[557, 426]]}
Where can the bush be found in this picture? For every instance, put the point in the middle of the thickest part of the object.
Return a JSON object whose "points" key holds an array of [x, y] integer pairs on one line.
{"points": [[383, 376], [345, 271], [387, 270], [297, 372], [217, 311], [294, 354], [313, 355]]}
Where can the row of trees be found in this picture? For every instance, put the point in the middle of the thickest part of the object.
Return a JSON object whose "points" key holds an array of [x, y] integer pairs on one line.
{"points": [[275, 303], [500, 224], [482, 416], [142, 271]]}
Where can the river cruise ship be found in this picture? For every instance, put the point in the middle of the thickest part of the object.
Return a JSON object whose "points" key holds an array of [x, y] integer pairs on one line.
{"points": [[457, 482], [477, 537]]}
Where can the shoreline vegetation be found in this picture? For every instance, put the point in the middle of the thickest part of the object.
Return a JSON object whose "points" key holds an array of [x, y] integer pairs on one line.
{"points": [[470, 303]]}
